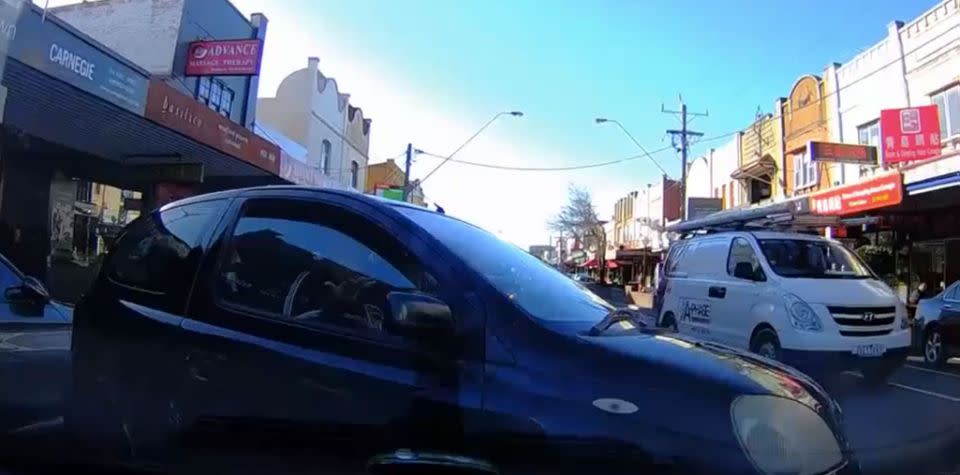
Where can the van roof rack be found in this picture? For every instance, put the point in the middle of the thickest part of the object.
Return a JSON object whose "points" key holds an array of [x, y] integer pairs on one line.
{"points": [[786, 216]]}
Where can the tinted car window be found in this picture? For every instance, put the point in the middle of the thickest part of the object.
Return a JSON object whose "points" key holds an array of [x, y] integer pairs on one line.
{"points": [[315, 265], [152, 253], [537, 288]]}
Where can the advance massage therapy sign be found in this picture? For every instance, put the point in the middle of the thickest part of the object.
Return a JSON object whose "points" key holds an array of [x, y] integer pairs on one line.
{"points": [[52, 49], [224, 58]]}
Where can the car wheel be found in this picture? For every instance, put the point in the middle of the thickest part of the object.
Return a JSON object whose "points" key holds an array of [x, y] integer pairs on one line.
{"points": [[669, 321], [933, 350], [765, 343]]}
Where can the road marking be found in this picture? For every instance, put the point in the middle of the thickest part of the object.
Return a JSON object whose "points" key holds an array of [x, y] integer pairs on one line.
{"points": [[910, 388], [919, 359], [929, 370]]}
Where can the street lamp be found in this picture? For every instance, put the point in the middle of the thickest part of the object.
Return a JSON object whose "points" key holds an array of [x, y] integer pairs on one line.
{"points": [[492, 120], [601, 120]]}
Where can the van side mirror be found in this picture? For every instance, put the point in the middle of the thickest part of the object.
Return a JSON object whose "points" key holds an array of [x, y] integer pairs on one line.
{"points": [[744, 270], [418, 314]]}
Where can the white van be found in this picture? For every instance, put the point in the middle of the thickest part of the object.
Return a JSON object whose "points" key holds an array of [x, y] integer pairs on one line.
{"points": [[801, 299]]}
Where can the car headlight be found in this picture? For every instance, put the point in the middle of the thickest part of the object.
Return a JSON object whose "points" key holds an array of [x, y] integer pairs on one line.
{"points": [[802, 317], [782, 436]]}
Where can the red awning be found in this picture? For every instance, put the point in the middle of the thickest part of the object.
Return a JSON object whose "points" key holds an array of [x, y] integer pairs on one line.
{"points": [[612, 265], [592, 263]]}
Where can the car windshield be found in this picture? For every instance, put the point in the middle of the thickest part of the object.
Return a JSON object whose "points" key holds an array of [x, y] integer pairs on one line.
{"points": [[534, 286], [805, 258]]}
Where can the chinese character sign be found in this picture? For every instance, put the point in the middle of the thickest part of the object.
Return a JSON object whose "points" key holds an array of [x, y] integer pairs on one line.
{"points": [[910, 134], [885, 190]]}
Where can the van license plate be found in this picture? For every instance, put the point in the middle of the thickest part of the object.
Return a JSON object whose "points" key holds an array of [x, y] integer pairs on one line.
{"points": [[869, 350]]}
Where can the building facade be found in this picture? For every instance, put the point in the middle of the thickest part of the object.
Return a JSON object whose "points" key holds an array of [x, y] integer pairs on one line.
{"points": [[805, 119], [386, 179], [760, 166], [711, 175], [310, 109]]}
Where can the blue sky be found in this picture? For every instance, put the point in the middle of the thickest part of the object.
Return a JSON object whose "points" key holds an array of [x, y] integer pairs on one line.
{"points": [[432, 71]]}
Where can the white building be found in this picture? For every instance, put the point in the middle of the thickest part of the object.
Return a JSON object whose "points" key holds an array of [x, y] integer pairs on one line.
{"points": [[310, 109], [708, 176], [916, 64]]}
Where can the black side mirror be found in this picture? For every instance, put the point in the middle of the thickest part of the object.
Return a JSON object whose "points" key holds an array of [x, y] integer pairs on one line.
{"points": [[744, 270], [404, 462], [419, 314], [30, 291]]}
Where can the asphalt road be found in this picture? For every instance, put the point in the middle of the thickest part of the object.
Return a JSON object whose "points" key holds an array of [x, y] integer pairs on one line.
{"points": [[910, 425]]}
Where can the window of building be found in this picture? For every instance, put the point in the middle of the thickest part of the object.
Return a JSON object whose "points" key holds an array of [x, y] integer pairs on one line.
{"points": [[153, 254], [216, 95], [325, 152], [84, 191], [354, 173], [948, 102], [742, 251], [316, 266], [804, 171], [868, 134]]}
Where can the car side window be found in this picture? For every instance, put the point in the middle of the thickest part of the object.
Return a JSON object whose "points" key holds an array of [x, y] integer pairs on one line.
{"points": [[316, 265], [153, 254], [742, 251], [675, 256], [952, 293]]}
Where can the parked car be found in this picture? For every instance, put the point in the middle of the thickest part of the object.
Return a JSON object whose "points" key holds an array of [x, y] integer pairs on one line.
{"points": [[285, 318], [938, 323], [34, 350], [797, 298]]}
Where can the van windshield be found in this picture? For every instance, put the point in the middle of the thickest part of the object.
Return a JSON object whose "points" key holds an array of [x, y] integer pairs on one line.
{"points": [[542, 291], [813, 259]]}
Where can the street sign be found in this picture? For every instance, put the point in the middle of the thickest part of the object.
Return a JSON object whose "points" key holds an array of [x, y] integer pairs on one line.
{"points": [[910, 134], [842, 152], [886, 190]]}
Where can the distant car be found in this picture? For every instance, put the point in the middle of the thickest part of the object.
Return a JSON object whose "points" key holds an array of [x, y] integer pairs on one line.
{"points": [[285, 321], [938, 323], [34, 350]]}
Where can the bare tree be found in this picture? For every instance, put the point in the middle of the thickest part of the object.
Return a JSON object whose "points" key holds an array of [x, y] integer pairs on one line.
{"points": [[578, 219]]}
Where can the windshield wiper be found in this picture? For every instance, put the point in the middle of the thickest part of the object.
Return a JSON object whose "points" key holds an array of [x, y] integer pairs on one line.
{"points": [[617, 315]]}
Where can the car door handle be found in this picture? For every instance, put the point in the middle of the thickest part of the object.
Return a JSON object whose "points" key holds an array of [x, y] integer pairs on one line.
{"points": [[717, 292]]}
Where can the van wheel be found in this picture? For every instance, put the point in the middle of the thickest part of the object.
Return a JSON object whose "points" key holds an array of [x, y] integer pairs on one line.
{"points": [[765, 343], [669, 321]]}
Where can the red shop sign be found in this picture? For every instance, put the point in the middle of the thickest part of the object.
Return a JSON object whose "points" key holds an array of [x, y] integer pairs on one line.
{"points": [[910, 134], [224, 58], [879, 192]]}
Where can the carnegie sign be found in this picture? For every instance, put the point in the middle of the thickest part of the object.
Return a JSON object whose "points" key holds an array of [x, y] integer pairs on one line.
{"points": [[224, 58], [886, 190], [169, 107]]}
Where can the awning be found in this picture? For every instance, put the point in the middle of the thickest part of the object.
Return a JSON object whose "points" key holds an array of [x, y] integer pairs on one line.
{"points": [[612, 264], [756, 169], [591, 264]]}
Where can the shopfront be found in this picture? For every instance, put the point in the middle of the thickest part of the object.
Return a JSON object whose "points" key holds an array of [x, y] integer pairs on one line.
{"points": [[87, 142]]}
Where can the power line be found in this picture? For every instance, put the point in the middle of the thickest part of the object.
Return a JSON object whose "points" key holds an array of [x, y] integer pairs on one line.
{"points": [[572, 167]]}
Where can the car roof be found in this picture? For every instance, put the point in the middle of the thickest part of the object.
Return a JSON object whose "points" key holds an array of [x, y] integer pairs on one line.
{"points": [[377, 200]]}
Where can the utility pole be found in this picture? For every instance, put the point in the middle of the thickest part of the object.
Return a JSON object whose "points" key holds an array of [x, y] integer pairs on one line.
{"points": [[682, 136], [406, 172]]}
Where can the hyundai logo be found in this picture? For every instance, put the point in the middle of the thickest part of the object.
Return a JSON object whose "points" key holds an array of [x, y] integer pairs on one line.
{"points": [[868, 317]]}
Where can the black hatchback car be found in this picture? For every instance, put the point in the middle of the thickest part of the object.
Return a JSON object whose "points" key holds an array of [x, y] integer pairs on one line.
{"points": [[281, 325]]}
